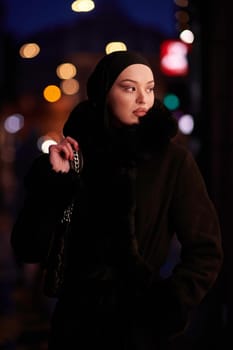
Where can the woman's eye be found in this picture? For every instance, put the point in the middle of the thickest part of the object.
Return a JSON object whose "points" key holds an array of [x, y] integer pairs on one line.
{"points": [[129, 88], [133, 88], [151, 89]]}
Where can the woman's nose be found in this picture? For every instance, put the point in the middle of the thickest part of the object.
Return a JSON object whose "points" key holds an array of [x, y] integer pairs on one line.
{"points": [[141, 98]]}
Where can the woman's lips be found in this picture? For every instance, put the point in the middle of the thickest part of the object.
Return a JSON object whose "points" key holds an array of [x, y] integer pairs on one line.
{"points": [[140, 112]]}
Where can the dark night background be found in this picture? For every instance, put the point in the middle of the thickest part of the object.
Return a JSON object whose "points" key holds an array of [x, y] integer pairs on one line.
{"points": [[207, 93]]}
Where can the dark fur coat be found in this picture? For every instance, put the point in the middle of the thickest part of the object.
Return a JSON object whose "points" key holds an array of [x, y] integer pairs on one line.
{"points": [[138, 189]]}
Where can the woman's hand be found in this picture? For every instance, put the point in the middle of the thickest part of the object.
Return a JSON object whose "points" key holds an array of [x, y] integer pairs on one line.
{"points": [[61, 154]]}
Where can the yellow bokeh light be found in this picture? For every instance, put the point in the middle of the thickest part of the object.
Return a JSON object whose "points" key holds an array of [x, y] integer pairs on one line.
{"points": [[29, 50], [52, 93], [115, 46], [70, 86], [66, 71], [82, 5]]}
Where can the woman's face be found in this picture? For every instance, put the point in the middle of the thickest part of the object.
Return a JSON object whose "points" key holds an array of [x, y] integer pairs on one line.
{"points": [[132, 94]]}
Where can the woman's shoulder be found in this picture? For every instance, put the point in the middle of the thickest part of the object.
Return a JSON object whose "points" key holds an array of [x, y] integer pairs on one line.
{"points": [[180, 152], [179, 149]]}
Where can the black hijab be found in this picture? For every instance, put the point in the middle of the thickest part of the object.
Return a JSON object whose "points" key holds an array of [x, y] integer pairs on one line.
{"points": [[90, 119], [106, 72]]}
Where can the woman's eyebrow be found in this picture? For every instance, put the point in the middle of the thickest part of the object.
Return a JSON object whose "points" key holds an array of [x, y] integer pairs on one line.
{"points": [[134, 81]]}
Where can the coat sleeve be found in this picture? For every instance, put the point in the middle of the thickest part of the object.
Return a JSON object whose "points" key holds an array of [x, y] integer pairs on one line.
{"points": [[47, 194]]}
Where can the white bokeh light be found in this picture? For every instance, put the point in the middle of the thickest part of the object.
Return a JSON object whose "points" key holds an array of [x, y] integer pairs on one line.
{"points": [[187, 36], [44, 143], [14, 123], [186, 124]]}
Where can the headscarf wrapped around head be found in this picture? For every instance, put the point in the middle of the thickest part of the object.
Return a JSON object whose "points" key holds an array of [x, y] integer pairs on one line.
{"points": [[106, 72], [90, 119]]}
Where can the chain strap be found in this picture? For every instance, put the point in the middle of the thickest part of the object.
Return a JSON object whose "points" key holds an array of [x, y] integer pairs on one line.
{"points": [[77, 162], [77, 165]]}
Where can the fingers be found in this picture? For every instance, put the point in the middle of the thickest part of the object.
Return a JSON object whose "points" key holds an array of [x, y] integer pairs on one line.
{"points": [[72, 142], [65, 148]]}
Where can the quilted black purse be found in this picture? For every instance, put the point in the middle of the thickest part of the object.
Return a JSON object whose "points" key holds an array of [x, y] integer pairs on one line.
{"points": [[54, 268]]}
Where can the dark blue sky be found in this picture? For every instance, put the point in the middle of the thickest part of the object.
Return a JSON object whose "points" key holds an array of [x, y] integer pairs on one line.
{"points": [[26, 17]]}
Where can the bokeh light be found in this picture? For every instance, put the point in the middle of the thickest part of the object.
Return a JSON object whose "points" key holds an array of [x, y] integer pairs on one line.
{"points": [[14, 123], [52, 93], [70, 86], [186, 124], [66, 71], [29, 50], [115, 46], [171, 101], [43, 144], [187, 36], [83, 5]]}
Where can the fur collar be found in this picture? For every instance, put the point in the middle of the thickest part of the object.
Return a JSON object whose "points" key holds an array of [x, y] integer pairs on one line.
{"points": [[86, 125]]}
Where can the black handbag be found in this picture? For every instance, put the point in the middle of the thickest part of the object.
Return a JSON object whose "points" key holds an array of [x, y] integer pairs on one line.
{"points": [[54, 267]]}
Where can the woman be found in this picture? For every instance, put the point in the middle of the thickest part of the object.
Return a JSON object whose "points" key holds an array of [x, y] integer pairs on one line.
{"points": [[137, 189]]}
